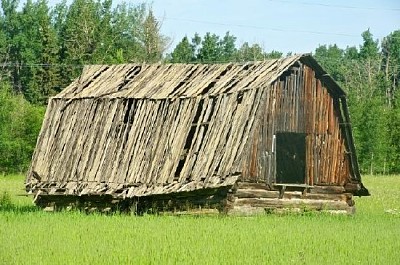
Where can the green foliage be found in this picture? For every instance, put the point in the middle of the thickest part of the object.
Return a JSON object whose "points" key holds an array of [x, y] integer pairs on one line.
{"points": [[42, 48], [126, 24], [5, 200], [227, 48], [369, 49], [332, 58], [183, 52], [19, 126], [394, 137], [265, 239], [153, 42], [214, 49], [372, 135], [250, 53], [209, 50], [370, 77]]}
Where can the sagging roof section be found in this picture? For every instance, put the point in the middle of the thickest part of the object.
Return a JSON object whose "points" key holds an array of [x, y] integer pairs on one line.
{"points": [[160, 81]]}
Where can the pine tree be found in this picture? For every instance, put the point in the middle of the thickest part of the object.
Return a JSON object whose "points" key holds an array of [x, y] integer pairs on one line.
{"points": [[154, 42], [210, 50], [78, 38], [391, 67], [126, 31], [331, 57], [11, 29], [228, 48], [184, 52], [43, 55], [250, 53]]}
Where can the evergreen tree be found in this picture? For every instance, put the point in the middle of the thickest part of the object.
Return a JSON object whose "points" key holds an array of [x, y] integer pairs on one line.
{"points": [[210, 50], [4, 60], [35, 40], [126, 31], [391, 64], [250, 53], [332, 58], [153, 42], [79, 33], [41, 53], [228, 48], [31, 49], [274, 55], [391, 68], [11, 21], [184, 52], [213, 49], [393, 152]]}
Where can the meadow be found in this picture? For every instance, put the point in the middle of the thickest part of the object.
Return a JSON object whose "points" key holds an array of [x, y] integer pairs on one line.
{"points": [[370, 236]]}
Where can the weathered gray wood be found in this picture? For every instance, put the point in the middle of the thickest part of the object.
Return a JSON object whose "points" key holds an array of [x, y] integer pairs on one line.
{"points": [[256, 193], [327, 189], [298, 203], [352, 187], [251, 185]]}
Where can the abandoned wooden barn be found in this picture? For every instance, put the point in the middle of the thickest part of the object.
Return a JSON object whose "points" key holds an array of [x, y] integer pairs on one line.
{"points": [[234, 138]]}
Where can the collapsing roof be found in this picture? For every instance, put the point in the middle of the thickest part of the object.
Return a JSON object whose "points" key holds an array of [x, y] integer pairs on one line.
{"points": [[169, 81], [135, 129]]}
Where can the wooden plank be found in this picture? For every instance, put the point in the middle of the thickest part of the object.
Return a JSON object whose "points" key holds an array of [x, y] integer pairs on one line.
{"points": [[256, 193], [251, 185], [291, 203], [327, 189]]}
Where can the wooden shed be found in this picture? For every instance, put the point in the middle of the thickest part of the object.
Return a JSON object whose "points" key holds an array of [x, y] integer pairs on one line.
{"points": [[234, 138]]}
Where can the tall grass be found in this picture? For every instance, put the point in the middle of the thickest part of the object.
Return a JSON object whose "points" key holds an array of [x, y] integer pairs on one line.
{"points": [[371, 236]]}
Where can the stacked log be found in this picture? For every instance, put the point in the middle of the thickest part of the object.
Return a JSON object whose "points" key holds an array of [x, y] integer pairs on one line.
{"points": [[254, 198]]}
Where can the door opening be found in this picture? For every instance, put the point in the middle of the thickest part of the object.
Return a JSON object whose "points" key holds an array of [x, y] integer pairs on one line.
{"points": [[290, 157]]}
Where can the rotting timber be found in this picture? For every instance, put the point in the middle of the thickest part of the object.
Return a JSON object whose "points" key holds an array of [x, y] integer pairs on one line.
{"points": [[232, 138]]}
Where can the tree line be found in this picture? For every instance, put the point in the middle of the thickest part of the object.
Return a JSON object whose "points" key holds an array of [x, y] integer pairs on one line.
{"points": [[43, 48]]}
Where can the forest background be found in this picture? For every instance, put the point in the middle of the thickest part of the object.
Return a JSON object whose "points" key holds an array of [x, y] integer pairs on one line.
{"points": [[43, 48]]}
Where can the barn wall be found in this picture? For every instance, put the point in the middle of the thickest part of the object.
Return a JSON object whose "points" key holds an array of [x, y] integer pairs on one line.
{"points": [[143, 146], [299, 102]]}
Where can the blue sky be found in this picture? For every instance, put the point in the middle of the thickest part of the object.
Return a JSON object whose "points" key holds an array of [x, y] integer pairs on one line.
{"points": [[283, 25]]}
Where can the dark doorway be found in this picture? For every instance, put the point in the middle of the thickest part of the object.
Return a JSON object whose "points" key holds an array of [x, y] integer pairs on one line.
{"points": [[290, 157]]}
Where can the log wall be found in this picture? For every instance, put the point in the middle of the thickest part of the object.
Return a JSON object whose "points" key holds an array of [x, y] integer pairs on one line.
{"points": [[252, 198]]}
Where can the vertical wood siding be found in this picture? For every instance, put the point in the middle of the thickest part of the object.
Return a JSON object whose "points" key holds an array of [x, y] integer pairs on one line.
{"points": [[143, 141], [299, 102]]}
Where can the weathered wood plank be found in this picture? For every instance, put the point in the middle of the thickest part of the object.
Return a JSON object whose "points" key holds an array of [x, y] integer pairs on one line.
{"points": [[256, 193], [287, 203], [251, 185]]}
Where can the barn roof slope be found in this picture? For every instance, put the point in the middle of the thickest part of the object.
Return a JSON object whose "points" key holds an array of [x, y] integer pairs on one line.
{"points": [[161, 81]]}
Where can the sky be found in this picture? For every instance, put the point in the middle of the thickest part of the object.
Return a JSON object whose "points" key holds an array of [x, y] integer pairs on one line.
{"points": [[281, 25]]}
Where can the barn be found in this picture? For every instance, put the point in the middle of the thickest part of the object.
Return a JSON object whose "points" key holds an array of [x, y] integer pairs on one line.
{"points": [[236, 138]]}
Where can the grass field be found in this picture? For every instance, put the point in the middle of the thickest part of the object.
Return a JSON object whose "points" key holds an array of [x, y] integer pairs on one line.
{"points": [[371, 236]]}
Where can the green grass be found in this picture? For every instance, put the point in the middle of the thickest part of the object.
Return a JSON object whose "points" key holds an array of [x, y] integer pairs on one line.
{"points": [[371, 236]]}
